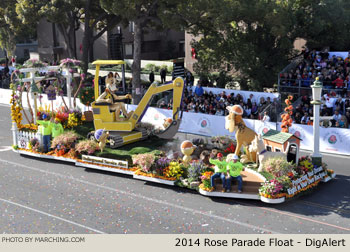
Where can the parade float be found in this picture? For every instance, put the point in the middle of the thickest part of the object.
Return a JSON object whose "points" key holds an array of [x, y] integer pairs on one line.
{"points": [[116, 140]]}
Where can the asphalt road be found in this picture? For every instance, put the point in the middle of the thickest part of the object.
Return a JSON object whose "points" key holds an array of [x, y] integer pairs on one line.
{"points": [[49, 197]]}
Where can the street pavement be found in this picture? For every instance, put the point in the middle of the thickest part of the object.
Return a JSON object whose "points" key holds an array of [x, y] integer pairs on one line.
{"points": [[50, 197]]}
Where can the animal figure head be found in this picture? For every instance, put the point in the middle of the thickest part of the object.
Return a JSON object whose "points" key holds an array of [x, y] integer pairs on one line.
{"points": [[257, 144], [234, 116], [167, 122]]}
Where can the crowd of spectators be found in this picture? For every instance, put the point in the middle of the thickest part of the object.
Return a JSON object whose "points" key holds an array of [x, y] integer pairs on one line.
{"points": [[333, 109], [201, 101], [333, 72]]}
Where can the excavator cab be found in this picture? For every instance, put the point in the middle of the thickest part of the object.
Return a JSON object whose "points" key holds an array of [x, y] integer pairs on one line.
{"points": [[126, 129]]}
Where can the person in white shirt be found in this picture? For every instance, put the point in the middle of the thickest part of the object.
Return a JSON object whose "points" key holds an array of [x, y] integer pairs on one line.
{"points": [[336, 116], [266, 117], [305, 118]]}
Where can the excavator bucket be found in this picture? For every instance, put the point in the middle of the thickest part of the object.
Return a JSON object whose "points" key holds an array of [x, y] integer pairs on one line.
{"points": [[170, 131]]}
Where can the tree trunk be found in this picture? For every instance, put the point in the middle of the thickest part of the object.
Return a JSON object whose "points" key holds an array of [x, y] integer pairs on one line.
{"points": [[136, 65], [54, 38], [86, 37], [67, 39]]}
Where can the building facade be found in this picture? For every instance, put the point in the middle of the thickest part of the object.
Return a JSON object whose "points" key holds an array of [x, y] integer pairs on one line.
{"points": [[115, 44]]}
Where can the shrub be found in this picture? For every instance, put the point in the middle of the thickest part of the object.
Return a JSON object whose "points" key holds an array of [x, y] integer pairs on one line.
{"points": [[160, 165], [304, 165], [66, 140], [87, 95], [194, 171], [278, 166], [87, 147], [271, 188], [145, 161], [206, 179], [34, 144], [174, 170], [150, 67]]}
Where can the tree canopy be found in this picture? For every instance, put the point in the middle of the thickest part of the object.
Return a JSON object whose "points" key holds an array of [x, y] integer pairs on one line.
{"points": [[12, 30], [253, 37]]}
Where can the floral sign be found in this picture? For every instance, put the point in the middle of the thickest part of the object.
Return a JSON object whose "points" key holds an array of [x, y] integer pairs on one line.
{"points": [[309, 178]]}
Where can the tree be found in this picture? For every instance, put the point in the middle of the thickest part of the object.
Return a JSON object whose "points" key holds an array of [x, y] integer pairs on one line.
{"points": [[12, 30], [68, 15], [254, 37], [95, 19], [324, 23]]}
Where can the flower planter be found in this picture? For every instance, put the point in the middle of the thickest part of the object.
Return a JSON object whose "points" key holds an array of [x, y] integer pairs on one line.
{"points": [[89, 116], [155, 180], [272, 201], [326, 179], [235, 195], [104, 168], [47, 156]]}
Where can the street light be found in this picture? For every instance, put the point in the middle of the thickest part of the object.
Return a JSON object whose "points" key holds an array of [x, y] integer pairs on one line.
{"points": [[316, 97]]}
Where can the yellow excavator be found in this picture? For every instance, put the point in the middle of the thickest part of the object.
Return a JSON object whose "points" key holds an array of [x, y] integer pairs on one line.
{"points": [[127, 129]]}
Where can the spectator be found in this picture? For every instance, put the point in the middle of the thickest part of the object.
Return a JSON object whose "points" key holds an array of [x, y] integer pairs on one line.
{"points": [[151, 77], [254, 110], [347, 116], [199, 89], [305, 119], [343, 123], [163, 75], [336, 116], [297, 118], [266, 117]]}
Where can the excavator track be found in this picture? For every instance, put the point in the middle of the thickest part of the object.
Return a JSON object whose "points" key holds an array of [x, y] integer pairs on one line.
{"points": [[115, 140]]}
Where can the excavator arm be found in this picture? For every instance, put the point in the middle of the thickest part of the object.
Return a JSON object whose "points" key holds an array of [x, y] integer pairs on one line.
{"points": [[177, 85]]}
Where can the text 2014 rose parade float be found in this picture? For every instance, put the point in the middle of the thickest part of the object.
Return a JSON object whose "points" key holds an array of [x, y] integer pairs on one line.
{"points": [[214, 167]]}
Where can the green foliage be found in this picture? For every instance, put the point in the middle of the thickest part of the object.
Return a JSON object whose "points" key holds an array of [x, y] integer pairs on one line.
{"points": [[254, 37], [86, 95], [278, 166], [12, 31], [150, 67], [139, 150], [322, 23]]}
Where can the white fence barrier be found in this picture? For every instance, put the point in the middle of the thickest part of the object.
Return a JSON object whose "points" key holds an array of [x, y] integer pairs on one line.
{"points": [[245, 94], [333, 140], [23, 138]]}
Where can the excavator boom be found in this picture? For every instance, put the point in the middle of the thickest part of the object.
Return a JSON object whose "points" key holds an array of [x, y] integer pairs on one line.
{"points": [[127, 130]]}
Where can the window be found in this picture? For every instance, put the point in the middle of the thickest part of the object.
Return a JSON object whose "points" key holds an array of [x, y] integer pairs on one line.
{"points": [[128, 49], [182, 48], [277, 150], [268, 148], [131, 27]]}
